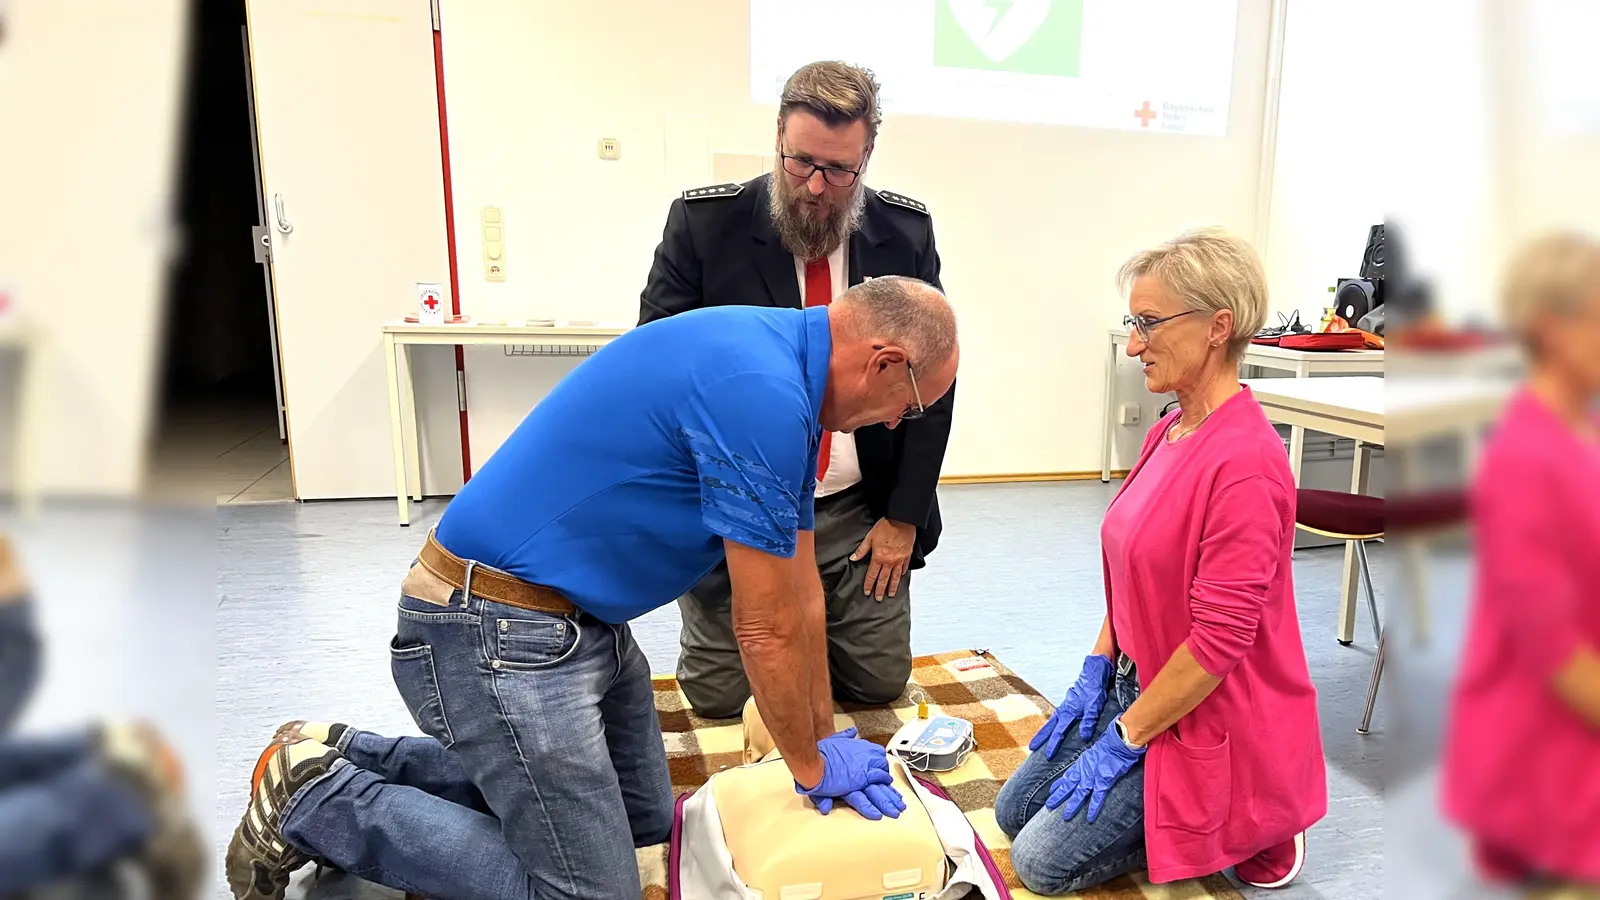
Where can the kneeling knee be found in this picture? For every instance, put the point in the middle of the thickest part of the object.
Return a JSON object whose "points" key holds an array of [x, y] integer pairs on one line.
{"points": [[652, 829], [1036, 868], [715, 705], [1010, 811], [877, 689]]}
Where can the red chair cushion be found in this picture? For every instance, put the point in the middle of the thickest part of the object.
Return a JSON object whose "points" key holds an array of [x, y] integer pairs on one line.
{"points": [[1424, 511], [1337, 512]]}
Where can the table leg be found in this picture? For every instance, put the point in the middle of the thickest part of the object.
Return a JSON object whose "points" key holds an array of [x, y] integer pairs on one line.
{"points": [[1110, 423], [1297, 451], [30, 427], [396, 430], [413, 428], [1297, 433], [1350, 583]]}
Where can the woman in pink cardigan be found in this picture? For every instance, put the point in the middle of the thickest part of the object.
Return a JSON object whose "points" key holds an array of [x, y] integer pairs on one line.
{"points": [[1190, 742], [1521, 766]]}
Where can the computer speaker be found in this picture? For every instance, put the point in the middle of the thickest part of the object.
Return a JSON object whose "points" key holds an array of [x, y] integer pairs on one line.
{"points": [[1353, 298], [1375, 256]]}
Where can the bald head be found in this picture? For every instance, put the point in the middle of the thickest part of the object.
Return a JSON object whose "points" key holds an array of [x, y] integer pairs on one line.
{"points": [[895, 352], [903, 311]]}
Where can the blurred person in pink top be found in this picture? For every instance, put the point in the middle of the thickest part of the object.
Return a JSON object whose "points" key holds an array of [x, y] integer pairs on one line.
{"points": [[1522, 756], [1190, 743]]}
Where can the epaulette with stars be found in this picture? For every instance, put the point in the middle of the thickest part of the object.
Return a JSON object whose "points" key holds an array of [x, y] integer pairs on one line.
{"points": [[903, 201], [712, 192]]}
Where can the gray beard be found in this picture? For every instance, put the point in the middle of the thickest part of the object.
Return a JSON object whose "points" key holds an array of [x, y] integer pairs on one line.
{"points": [[804, 236]]}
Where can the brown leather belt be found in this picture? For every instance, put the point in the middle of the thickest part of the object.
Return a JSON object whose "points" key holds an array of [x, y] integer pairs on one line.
{"points": [[492, 584]]}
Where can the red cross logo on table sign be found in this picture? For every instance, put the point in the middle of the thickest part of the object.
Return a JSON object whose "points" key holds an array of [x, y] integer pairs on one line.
{"points": [[1144, 115], [431, 302]]}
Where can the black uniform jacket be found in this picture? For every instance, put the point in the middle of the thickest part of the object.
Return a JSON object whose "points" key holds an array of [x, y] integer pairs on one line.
{"points": [[719, 249]]}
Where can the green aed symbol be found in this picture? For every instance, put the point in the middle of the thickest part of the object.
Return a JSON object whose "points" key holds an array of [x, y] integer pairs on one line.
{"points": [[1030, 37]]}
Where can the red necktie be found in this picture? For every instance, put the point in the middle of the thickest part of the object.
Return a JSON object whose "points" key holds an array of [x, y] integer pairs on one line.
{"points": [[819, 292]]}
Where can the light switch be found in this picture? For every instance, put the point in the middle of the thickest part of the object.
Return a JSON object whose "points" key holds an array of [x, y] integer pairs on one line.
{"points": [[494, 246]]}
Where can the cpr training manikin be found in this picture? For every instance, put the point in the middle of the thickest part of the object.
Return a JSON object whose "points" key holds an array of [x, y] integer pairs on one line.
{"points": [[747, 834]]}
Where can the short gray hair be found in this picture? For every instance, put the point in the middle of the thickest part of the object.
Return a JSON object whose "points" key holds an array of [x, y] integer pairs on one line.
{"points": [[909, 312], [1551, 275], [1210, 270]]}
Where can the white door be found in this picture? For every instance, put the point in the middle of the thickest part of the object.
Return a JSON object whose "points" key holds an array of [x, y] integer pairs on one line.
{"points": [[348, 123]]}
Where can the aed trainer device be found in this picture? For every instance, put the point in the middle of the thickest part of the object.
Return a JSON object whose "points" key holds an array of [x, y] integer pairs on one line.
{"points": [[933, 744]]}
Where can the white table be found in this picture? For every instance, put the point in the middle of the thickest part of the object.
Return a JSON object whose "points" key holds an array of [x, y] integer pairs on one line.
{"points": [[17, 336], [398, 339], [1349, 406], [1302, 363], [1433, 407]]}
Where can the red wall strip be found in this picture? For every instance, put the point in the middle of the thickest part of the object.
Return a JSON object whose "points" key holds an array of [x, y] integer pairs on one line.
{"points": [[450, 233]]}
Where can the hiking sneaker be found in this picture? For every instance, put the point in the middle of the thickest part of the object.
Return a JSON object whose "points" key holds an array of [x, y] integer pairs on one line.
{"points": [[259, 861], [329, 734], [173, 859], [1276, 866]]}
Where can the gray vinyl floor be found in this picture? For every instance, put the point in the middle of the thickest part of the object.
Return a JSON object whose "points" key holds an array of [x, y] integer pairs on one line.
{"points": [[302, 608]]}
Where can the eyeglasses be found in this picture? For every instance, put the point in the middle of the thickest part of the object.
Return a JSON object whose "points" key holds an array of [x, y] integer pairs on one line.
{"points": [[920, 411], [838, 176], [1144, 324]]}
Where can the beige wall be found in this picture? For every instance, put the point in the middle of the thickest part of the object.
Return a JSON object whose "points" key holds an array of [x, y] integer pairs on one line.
{"points": [[1327, 181], [90, 95], [1032, 220]]}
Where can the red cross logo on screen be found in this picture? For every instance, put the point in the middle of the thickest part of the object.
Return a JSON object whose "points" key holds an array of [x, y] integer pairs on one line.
{"points": [[1144, 115]]}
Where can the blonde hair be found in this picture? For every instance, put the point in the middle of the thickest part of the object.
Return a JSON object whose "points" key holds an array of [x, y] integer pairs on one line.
{"points": [[1551, 275], [1209, 270], [835, 92]]}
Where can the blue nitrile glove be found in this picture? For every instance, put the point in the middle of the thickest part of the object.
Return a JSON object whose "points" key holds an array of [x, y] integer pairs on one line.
{"points": [[857, 772], [1092, 774], [1083, 704]]}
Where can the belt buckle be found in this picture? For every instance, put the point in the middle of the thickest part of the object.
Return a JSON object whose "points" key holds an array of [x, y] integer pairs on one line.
{"points": [[1124, 664], [466, 581]]}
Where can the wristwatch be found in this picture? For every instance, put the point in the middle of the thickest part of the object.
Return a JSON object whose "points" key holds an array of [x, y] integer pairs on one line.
{"points": [[1122, 732]]}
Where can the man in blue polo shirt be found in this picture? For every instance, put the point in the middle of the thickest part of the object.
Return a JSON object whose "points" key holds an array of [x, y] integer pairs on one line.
{"points": [[681, 442]]}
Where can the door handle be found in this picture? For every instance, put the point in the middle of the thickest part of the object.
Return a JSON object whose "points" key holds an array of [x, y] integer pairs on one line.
{"points": [[284, 225]]}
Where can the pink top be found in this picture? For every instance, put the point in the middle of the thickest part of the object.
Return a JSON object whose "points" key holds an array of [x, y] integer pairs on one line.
{"points": [[1521, 768], [1208, 564], [1132, 504]]}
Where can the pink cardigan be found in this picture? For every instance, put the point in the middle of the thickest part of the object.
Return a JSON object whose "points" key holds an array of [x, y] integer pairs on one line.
{"points": [[1521, 770], [1244, 771]]}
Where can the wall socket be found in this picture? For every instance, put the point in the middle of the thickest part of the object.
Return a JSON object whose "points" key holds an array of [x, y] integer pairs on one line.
{"points": [[610, 148], [1130, 414], [494, 244]]}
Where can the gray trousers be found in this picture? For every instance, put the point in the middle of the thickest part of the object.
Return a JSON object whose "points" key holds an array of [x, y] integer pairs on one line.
{"points": [[869, 643]]}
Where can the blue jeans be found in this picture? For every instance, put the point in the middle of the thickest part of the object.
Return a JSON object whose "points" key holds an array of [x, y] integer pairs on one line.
{"points": [[1052, 856], [543, 767], [19, 660], [63, 814]]}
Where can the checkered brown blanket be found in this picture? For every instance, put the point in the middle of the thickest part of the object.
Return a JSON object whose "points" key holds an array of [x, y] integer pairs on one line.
{"points": [[1005, 713]]}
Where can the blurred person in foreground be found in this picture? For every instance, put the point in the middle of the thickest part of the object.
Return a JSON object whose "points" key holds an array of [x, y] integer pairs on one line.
{"points": [[86, 814], [1190, 742], [1521, 767]]}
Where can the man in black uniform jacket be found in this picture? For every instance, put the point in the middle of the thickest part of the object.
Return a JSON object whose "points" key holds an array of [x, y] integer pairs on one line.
{"points": [[800, 236]]}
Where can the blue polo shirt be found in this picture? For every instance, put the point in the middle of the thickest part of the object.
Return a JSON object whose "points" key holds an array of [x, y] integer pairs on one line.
{"points": [[620, 486]]}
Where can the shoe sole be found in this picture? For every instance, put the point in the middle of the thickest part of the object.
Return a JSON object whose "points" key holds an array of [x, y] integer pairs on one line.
{"points": [[1294, 871]]}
